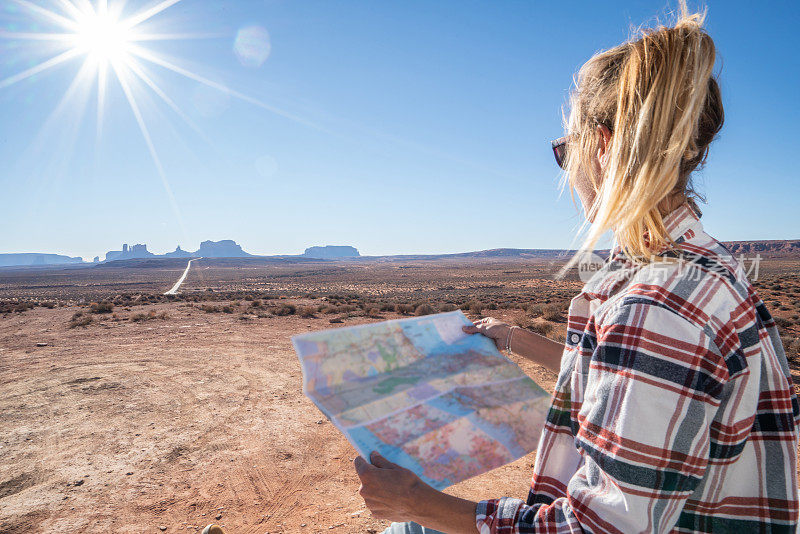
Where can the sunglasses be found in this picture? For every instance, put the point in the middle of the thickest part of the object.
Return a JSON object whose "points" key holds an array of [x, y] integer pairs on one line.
{"points": [[560, 150]]}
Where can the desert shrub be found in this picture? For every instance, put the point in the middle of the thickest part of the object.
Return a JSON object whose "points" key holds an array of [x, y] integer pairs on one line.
{"points": [[227, 309], [49, 304], [404, 309], [535, 310], [102, 307], [208, 308], [139, 317], [476, 307], [335, 320], [541, 328], [782, 322], [256, 303], [791, 345], [307, 311], [283, 310], [374, 313], [551, 312], [80, 319], [387, 307], [424, 309], [15, 306], [447, 307]]}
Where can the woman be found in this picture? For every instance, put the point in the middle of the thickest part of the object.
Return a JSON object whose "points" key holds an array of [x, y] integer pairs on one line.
{"points": [[674, 408]]}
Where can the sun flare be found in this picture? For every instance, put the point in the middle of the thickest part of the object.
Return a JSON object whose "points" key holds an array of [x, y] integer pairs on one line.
{"points": [[103, 38], [108, 39], [109, 47]]}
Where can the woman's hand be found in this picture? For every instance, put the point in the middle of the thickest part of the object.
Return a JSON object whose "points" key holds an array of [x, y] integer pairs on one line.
{"points": [[492, 328], [389, 491]]}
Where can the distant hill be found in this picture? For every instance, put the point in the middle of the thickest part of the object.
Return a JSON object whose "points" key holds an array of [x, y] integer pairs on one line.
{"points": [[35, 258], [779, 248], [227, 248], [330, 252]]}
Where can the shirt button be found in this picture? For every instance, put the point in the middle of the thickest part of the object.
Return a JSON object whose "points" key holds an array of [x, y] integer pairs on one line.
{"points": [[574, 338]]}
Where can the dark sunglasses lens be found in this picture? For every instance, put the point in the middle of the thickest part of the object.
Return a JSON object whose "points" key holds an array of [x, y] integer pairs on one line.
{"points": [[560, 152]]}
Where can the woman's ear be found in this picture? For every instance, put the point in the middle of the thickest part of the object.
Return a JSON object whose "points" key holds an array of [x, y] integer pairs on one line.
{"points": [[605, 141]]}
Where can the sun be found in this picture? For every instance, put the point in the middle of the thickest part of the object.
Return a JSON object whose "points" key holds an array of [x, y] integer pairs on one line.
{"points": [[103, 37], [109, 47]]}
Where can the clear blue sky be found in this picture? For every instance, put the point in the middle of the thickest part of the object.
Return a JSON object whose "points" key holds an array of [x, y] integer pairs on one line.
{"points": [[406, 127]]}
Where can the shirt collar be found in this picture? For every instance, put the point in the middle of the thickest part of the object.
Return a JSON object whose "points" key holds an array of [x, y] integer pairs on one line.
{"points": [[681, 221], [681, 224]]}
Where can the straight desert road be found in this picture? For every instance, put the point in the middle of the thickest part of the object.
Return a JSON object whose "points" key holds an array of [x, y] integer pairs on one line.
{"points": [[177, 286]]}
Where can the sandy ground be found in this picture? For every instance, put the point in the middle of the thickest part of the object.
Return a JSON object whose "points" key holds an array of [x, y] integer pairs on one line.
{"points": [[169, 424]]}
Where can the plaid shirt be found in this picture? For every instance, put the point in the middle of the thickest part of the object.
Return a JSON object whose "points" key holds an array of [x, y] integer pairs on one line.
{"points": [[674, 410]]}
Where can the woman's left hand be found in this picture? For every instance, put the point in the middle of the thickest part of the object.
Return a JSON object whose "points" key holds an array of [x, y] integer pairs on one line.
{"points": [[389, 491], [494, 329]]}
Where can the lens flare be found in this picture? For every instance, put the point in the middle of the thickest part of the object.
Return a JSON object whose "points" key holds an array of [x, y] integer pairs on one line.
{"points": [[252, 46], [111, 49], [102, 38]]}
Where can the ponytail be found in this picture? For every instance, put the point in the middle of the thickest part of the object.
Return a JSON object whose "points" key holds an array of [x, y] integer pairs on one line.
{"points": [[658, 97]]}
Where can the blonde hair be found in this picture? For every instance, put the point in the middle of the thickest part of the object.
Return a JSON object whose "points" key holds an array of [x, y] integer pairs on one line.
{"points": [[662, 104]]}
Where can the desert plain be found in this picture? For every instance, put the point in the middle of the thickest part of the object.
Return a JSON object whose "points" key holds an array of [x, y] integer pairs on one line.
{"points": [[125, 410]]}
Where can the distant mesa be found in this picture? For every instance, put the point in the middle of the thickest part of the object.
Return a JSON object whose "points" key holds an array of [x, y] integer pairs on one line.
{"points": [[178, 253], [25, 259], [330, 252], [129, 253], [227, 248]]}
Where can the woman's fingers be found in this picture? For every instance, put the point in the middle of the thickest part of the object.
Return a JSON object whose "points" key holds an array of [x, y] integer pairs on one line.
{"points": [[379, 461], [470, 329], [361, 465]]}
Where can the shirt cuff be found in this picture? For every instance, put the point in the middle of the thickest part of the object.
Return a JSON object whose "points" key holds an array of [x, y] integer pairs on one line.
{"points": [[492, 514]]}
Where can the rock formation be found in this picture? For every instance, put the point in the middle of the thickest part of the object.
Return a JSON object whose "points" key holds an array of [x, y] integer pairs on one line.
{"points": [[36, 258], [227, 248], [329, 252]]}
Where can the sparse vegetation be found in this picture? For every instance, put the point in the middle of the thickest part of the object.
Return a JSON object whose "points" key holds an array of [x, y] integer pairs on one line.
{"points": [[543, 329], [404, 309], [140, 317], [535, 310], [552, 313], [80, 319], [283, 310], [307, 312], [102, 307], [15, 306], [424, 309]]}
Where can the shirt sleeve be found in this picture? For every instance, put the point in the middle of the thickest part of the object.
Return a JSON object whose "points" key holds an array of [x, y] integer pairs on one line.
{"points": [[652, 389]]}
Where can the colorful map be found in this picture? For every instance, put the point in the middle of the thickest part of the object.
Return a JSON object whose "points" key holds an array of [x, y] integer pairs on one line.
{"points": [[424, 394]]}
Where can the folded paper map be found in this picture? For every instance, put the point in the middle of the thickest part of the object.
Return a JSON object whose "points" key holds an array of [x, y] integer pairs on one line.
{"points": [[444, 404]]}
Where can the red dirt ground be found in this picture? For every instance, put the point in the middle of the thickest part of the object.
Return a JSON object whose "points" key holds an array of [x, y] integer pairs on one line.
{"points": [[133, 426]]}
